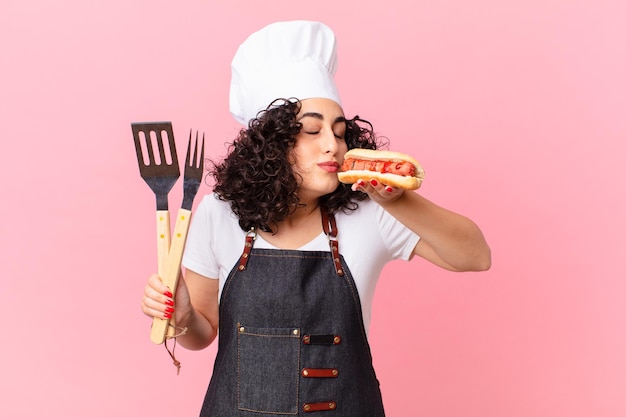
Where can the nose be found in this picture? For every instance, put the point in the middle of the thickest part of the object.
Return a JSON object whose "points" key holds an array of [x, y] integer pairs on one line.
{"points": [[329, 142]]}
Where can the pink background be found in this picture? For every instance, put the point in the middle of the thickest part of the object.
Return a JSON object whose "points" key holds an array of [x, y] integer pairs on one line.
{"points": [[515, 108]]}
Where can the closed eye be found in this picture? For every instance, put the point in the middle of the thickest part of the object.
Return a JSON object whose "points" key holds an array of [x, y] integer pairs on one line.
{"points": [[337, 136]]}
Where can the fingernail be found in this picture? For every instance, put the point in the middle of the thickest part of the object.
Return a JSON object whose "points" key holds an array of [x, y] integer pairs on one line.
{"points": [[388, 189], [374, 182], [167, 315], [168, 294], [169, 302], [360, 183], [169, 309]]}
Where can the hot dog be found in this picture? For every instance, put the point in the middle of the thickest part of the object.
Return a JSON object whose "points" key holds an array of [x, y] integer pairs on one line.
{"points": [[391, 168]]}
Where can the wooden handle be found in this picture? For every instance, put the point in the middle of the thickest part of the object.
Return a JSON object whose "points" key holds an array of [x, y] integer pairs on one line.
{"points": [[163, 239], [163, 249], [169, 277]]}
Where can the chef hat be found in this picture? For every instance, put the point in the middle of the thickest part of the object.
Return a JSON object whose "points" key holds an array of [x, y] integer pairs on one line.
{"points": [[283, 60]]}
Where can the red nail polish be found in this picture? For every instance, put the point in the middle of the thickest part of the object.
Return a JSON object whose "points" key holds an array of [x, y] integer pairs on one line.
{"points": [[169, 309], [169, 302], [388, 189], [167, 315], [168, 294], [374, 182]]}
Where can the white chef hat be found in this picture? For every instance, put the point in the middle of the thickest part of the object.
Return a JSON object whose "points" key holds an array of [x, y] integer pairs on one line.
{"points": [[283, 60]]}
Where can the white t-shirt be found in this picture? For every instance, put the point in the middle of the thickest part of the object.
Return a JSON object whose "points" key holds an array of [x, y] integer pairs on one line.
{"points": [[368, 238]]}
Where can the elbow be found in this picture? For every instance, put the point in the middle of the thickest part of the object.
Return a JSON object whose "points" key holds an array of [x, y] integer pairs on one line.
{"points": [[483, 266], [482, 261], [478, 262]]}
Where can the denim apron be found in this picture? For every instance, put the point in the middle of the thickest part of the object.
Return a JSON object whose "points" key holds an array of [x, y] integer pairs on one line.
{"points": [[291, 338]]}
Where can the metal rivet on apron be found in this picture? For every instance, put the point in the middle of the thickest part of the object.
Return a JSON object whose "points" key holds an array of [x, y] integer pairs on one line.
{"points": [[331, 405], [335, 372], [242, 329], [306, 339], [296, 332], [305, 372], [241, 267], [306, 407], [337, 340]]}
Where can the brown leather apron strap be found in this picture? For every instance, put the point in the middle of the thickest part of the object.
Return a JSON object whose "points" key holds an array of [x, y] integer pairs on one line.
{"points": [[328, 223], [243, 259], [330, 229]]}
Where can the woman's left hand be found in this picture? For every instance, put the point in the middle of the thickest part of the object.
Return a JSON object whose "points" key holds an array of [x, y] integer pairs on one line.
{"points": [[380, 193]]}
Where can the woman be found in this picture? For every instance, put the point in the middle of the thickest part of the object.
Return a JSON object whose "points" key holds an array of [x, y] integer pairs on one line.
{"points": [[291, 310]]}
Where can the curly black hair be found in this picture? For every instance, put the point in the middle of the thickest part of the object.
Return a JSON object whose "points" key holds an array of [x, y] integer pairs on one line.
{"points": [[256, 176]]}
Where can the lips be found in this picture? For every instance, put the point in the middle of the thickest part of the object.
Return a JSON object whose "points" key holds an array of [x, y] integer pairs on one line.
{"points": [[329, 166]]}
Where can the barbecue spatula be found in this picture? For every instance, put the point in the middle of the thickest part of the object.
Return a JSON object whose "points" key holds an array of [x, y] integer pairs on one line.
{"points": [[160, 171]]}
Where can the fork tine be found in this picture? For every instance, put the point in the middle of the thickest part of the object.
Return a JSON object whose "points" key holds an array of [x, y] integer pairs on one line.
{"points": [[202, 154], [195, 151], [193, 171], [192, 163], [187, 158]]}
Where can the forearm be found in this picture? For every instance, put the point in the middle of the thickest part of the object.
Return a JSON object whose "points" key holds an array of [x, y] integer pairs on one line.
{"points": [[198, 331], [454, 239]]}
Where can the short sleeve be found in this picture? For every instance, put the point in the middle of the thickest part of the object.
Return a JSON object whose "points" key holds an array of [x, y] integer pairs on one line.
{"points": [[399, 240], [199, 255]]}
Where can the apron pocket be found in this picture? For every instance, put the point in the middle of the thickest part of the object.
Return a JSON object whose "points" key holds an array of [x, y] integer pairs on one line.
{"points": [[268, 366]]}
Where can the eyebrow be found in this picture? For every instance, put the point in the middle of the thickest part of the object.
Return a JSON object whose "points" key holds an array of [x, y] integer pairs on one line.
{"points": [[319, 116]]}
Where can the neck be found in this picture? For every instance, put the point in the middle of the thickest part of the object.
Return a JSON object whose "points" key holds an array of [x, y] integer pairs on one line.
{"points": [[303, 215], [298, 229]]}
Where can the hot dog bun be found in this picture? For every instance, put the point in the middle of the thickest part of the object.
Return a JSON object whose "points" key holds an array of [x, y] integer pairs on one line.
{"points": [[377, 161]]}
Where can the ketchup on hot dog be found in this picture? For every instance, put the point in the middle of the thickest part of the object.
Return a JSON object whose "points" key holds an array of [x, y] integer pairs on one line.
{"points": [[384, 167]]}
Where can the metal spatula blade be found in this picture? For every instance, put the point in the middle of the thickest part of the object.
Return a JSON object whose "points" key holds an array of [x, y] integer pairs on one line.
{"points": [[160, 171]]}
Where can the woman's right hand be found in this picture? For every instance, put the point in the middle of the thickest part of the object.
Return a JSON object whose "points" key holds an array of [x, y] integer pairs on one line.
{"points": [[158, 300], [200, 319]]}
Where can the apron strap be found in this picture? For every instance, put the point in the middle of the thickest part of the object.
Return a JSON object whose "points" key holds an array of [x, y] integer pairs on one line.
{"points": [[330, 229], [243, 259]]}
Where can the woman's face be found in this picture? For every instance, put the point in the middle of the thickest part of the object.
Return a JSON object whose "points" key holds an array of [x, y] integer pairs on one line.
{"points": [[319, 148]]}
